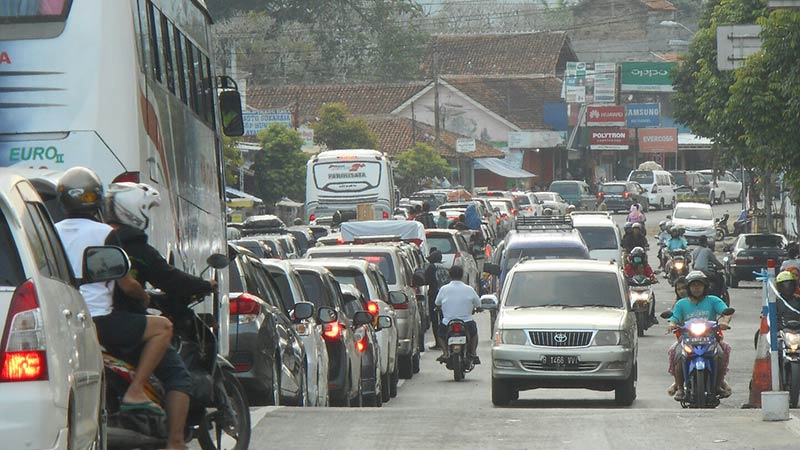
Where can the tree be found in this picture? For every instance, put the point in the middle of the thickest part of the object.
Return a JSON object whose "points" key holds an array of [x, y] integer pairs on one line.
{"points": [[280, 165], [232, 158], [417, 166], [337, 129]]}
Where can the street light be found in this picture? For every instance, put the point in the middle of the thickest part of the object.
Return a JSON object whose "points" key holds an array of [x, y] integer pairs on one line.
{"points": [[677, 43], [673, 24]]}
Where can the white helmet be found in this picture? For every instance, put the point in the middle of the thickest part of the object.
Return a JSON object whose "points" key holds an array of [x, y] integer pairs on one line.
{"points": [[130, 203]]}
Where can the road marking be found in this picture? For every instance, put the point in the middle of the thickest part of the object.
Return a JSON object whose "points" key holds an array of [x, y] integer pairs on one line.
{"points": [[256, 414]]}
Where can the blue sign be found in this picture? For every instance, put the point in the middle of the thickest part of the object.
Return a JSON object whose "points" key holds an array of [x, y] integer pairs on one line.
{"points": [[555, 115], [642, 115]]}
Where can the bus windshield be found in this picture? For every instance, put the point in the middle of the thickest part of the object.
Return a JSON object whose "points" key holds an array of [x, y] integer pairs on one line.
{"points": [[347, 176], [21, 11]]}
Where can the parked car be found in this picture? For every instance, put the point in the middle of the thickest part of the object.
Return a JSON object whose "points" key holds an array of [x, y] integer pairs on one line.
{"points": [[621, 195], [553, 202], [725, 187], [258, 248], [290, 287], [576, 193], [601, 234], [576, 332], [52, 368], [697, 219], [750, 253], [456, 251], [692, 186], [659, 185], [265, 350], [304, 238]]}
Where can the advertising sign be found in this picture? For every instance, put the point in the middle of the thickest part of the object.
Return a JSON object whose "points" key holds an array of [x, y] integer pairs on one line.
{"points": [[465, 145], [608, 139], [658, 140], [575, 82], [605, 116], [647, 76], [555, 115], [642, 115], [307, 134], [605, 83], [255, 121], [590, 83]]}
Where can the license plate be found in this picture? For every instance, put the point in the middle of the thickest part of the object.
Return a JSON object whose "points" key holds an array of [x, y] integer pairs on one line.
{"points": [[561, 361], [699, 340], [457, 340]]}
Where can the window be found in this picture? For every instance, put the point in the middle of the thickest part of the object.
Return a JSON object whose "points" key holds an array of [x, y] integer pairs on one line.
{"points": [[567, 289], [763, 241], [11, 273], [235, 283], [154, 20], [444, 244], [188, 66], [693, 212], [354, 277], [144, 36], [208, 87], [27, 11], [282, 282], [612, 188], [169, 62], [197, 59], [315, 290], [599, 237], [37, 239], [177, 39], [60, 263], [512, 256], [642, 176]]}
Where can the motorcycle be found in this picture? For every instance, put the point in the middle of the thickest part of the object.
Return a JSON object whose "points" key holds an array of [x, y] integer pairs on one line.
{"points": [[218, 405], [698, 346], [718, 287], [642, 300], [678, 264], [742, 225], [458, 342], [721, 227], [789, 337]]}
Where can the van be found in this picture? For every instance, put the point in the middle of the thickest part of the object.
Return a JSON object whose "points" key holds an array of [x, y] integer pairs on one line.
{"points": [[576, 193], [659, 184]]}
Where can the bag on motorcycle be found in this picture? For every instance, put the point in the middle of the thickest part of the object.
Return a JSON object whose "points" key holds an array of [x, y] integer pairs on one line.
{"points": [[202, 381]]}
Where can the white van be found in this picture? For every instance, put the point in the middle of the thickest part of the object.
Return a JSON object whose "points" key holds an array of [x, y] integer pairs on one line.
{"points": [[659, 184]]}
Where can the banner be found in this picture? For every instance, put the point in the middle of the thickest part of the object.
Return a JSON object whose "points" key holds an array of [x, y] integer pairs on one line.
{"points": [[642, 115], [255, 121], [647, 76], [605, 116], [608, 139], [590, 82], [658, 140]]}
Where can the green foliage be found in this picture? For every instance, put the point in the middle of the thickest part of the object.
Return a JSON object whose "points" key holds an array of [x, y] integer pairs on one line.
{"points": [[417, 166], [232, 159], [337, 129], [280, 165]]}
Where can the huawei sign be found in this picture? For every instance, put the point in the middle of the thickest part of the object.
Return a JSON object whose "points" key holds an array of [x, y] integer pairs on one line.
{"points": [[605, 116]]}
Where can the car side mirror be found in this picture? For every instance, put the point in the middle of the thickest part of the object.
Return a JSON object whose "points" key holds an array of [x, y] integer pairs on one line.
{"points": [[397, 298], [491, 269], [361, 318], [326, 314], [104, 263], [489, 302], [666, 314], [384, 322], [303, 310]]}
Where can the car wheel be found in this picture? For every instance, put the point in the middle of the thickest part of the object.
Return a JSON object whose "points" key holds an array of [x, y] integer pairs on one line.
{"points": [[661, 205], [734, 282], [395, 378], [406, 364], [646, 207], [711, 197], [386, 381], [501, 393], [415, 363], [625, 392]]}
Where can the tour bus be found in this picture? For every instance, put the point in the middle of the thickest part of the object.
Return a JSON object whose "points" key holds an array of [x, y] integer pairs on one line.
{"points": [[128, 89], [340, 180]]}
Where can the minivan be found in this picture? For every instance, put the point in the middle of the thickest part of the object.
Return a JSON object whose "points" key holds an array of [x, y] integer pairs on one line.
{"points": [[576, 193], [659, 184]]}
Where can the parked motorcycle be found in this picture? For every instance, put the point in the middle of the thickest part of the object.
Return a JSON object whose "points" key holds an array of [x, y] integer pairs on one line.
{"points": [[642, 301], [218, 417], [678, 264], [789, 337], [722, 227], [742, 225], [698, 346]]}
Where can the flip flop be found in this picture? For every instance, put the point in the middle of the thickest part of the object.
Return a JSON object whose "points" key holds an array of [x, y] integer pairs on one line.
{"points": [[145, 407]]}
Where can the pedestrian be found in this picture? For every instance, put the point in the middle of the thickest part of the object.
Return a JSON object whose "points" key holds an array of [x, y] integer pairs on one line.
{"points": [[425, 217], [441, 221]]}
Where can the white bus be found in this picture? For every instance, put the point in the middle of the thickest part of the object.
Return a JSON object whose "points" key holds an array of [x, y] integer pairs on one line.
{"points": [[340, 180], [126, 88]]}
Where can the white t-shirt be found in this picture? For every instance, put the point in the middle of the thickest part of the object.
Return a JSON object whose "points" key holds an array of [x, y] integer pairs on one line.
{"points": [[457, 301], [76, 235]]}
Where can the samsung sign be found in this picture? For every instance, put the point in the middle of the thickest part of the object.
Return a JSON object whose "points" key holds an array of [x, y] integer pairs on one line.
{"points": [[642, 115]]}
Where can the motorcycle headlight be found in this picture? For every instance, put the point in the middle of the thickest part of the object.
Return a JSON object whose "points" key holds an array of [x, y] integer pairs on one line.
{"points": [[510, 337], [606, 337], [698, 329], [679, 265], [791, 339], [639, 296]]}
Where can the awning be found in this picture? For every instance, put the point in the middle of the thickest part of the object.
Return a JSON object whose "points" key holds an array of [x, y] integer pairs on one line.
{"points": [[235, 194], [689, 141], [501, 168]]}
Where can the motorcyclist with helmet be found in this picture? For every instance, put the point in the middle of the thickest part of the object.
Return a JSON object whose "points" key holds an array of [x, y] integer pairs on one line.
{"points": [[703, 259], [80, 193], [789, 303], [663, 237], [676, 240], [699, 304], [127, 210], [458, 301], [636, 264], [635, 239]]}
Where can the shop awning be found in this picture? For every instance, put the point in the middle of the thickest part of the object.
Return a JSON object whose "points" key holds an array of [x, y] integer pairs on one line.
{"points": [[235, 194], [501, 168]]}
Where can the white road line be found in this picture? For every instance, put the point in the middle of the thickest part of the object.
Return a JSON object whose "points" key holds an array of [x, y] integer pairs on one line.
{"points": [[256, 414]]}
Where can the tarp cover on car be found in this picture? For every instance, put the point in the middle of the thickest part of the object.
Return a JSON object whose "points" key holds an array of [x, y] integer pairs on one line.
{"points": [[408, 230]]}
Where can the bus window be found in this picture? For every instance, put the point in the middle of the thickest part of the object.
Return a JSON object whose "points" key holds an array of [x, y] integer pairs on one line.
{"points": [[209, 91], [179, 60], [200, 107], [144, 34], [154, 18], [169, 66], [18, 11], [188, 67]]}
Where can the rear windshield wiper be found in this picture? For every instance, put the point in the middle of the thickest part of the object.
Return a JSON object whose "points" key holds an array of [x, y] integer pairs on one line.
{"points": [[541, 306], [600, 305]]}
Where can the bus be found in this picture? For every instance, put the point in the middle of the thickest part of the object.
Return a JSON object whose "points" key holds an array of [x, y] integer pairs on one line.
{"points": [[128, 89], [340, 180]]}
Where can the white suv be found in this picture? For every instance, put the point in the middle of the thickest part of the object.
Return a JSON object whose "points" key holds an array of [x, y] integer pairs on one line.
{"points": [[727, 186], [52, 367]]}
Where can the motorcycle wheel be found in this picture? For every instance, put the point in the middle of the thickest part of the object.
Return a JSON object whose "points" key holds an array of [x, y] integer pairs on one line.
{"points": [[794, 384], [641, 320], [457, 364], [697, 389], [720, 235], [219, 422]]}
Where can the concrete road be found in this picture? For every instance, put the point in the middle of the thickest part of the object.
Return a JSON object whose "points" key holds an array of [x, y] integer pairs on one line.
{"points": [[434, 412]]}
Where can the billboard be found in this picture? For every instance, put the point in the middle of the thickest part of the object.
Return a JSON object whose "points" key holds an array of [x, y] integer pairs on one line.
{"points": [[605, 116], [642, 115], [608, 139], [590, 82], [647, 76], [255, 121], [658, 140]]}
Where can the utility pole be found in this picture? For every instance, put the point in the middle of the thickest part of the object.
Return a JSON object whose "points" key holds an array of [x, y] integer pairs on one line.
{"points": [[436, 97], [413, 125]]}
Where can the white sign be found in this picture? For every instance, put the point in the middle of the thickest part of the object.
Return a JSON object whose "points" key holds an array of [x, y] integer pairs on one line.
{"points": [[307, 134], [465, 145], [255, 121], [534, 139], [735, 43]]}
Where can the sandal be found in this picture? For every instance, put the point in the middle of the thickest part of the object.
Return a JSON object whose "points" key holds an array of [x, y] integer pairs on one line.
{"points": [[147, 407], [679, 395], [672, 389]]}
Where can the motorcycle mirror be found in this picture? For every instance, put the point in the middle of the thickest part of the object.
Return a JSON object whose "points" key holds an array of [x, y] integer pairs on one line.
{"points": [[793, 325], [666, 314], [728, 311], [218, 261]]}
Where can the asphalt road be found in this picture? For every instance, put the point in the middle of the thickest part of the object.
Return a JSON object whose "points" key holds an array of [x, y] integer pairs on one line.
{"points": [[434, 412]]}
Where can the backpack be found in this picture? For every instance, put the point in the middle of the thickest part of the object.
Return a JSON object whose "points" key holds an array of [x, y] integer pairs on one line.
{"points": [[442, 275]]}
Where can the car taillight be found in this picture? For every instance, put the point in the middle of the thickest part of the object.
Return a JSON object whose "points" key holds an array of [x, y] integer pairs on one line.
{"points": [[505, 216], [339, 240], [244, 308], [332, 330], [744, 259], [361, 340], [400, 306], [312, 218], [24, 354], [513, 211], [372, 308], [385, 215], [127, 177], [488, 251], [626, 194], [456, 327], [600, 194], [529, 209]]}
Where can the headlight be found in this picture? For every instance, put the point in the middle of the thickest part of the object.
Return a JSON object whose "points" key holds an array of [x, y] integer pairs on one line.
{"points": [[639, 296], [510, 337], [605, 337], [791, 339], [698, 328], [679, 265]]}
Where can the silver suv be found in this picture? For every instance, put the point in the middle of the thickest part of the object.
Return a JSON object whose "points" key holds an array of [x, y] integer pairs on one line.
{"points": [[564, 324]]}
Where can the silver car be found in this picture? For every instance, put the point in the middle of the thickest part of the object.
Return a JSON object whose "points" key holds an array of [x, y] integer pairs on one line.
{"points": [[564, 324]]}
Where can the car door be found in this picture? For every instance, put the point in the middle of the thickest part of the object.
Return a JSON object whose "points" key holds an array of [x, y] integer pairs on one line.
{"points": [[467, 261]]}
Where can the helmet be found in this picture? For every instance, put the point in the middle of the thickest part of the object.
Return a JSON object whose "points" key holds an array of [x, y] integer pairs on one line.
{"points": [[697, 275], [662, 225], [786, 275], [130, 203], [628, 225], [638, 255], [435, 257], [637, 225], [570, 208], [80, 191]]}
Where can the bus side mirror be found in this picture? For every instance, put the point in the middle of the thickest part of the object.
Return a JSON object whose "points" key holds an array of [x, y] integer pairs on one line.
{"points": [[230, 106]]}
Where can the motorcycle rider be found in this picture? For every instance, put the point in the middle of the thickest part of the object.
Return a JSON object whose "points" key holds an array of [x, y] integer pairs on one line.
{"points": [[80, 193], [681, 290], [635, 239], [426, 217], [636, 264], [703, 259], [432, 281], [789, 307], [635, 216], [457, 301], [128, 212], [676, 240], [699, 304], [663, 237], [792, 251]]}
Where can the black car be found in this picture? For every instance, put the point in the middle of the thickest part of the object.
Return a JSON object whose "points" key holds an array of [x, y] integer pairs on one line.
{"points": [[620, 195], [750, 253], [265, 350]]}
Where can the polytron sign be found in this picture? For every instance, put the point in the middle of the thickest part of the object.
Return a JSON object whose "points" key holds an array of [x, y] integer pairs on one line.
{"points": [[647, 76], [658, 140], [608, 139], [605, 116]]}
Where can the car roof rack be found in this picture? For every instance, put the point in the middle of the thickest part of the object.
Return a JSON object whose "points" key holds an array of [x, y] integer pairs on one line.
{"points": [[590, 213], [544, 223], [377, 238]]}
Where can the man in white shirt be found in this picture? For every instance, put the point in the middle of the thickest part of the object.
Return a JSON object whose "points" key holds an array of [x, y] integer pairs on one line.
{"points": [[457, 301]]}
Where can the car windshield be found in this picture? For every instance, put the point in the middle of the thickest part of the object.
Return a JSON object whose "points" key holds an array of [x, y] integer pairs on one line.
{"points": [[523, 200], [692, 212], [564, 188], [354, 277], [384, 262], [613, 188], [680, 178], [567, 289], [545, 197], [282, 281], [763, 241], [599, 238], [642, 176], [444, 244], [15, 11], [253, 246], [315, 290], [512, 256], [501, 205]]}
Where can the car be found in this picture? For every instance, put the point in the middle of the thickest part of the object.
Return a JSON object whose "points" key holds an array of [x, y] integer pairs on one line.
{"points": [[552, 202], [456, 251], [257, 224], [399, 277], [290, 287], [367, 345], [528, 204], [725, 187], [621, 195], [576, 193], [692, 186], [696, 219], [659, 184], [481, 205], [51, 388], [304, 238], [508, 214], [258, 248], [601, 234], [564, 324], [750, 253], [267, 354]]}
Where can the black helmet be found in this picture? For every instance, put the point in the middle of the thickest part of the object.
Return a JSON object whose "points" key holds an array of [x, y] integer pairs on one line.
{"points": [[435, 256], [638, 256], [80, 191]]}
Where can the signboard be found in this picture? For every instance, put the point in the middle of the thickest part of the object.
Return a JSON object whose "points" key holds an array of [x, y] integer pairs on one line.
{"points": [[658, 140], [555, 115], [647, 76], [608, 139], [735, 43], [465, 145], [520, 139], [590, 83], [641, 115], [575, 82], [255, 121], [605, 116], [307, 134], [605, 83]]}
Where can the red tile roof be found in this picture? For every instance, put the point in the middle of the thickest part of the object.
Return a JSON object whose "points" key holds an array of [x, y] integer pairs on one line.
{"points": [[499, 54], [661, 5], [396, 135]]}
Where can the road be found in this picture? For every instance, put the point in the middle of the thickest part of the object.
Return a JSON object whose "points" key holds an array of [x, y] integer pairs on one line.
{"points": [[434, 412]]}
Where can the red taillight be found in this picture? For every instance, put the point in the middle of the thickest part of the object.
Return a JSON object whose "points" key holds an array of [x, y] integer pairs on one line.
{"points": [[241, 367], [400, 306], [127, 177], [600, 194], [505, 216], [626, 194], [340, 240], [385, 215], [24, 355], [529, 209], [372, 308], [361, 340], [332, 330], [312, 218], [244, 304], [457, 257], [456, 327], [513, 211]]}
